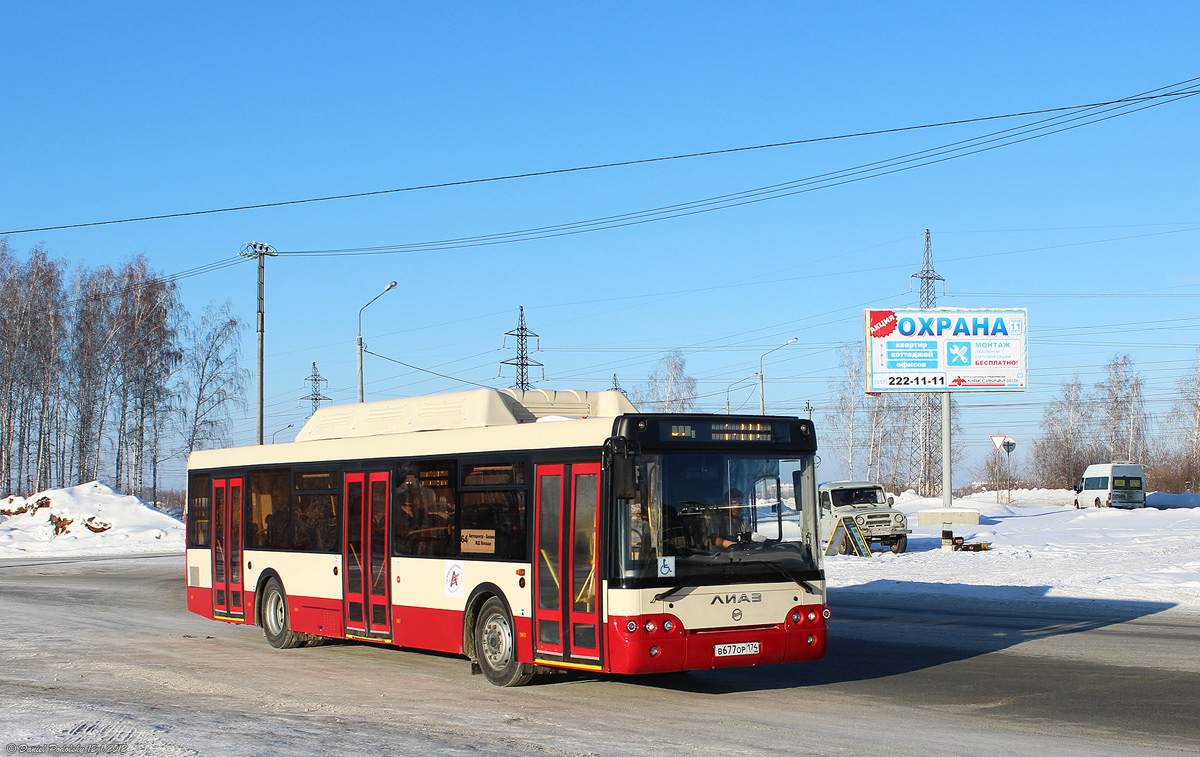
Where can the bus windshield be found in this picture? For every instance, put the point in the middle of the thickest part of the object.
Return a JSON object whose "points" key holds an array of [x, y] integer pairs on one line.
{"points": [[702, 518]]}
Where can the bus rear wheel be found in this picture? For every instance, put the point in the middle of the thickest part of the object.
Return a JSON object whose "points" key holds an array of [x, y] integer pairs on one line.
{"points": [[275, 618], [900, 544], [496, 647]]}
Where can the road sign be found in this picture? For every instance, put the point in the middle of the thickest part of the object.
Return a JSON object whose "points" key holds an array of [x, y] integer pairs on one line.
{"points": [[847, 530], [998, 441], [945, 350], [1009, 446]]}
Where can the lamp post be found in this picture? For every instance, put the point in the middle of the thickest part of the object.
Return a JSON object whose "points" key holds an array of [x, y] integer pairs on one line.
{"points": [[762, 402], [735, 383], [280, 431], [389, 288]]}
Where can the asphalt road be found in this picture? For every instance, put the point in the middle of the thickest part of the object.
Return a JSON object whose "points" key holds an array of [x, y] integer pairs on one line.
{"points": [[102, 652]]}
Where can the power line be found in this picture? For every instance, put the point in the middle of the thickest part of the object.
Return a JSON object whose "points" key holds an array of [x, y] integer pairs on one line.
{"points": [[1143, 97], [862, 172], [426, 370], [174, 277]]}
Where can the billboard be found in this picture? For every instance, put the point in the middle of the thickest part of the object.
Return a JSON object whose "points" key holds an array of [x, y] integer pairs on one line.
{"points": [[945, 350]]}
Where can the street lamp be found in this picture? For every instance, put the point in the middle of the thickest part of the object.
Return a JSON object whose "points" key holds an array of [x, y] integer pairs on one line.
{"points": [[735, 383], [762, 402], [390, 287], [280, 431]]}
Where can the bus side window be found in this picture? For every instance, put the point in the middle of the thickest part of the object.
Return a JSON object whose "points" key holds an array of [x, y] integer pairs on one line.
{"points": [[270, 522], [493, 524], [424, 509], [199, 510]]}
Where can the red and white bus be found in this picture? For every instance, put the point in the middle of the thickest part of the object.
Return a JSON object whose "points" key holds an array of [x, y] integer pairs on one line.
{"points": [[522, 530]]}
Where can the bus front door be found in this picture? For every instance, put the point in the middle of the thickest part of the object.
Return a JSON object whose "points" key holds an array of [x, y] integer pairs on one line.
{"points": [[228, 602], [566, 611], [365, 555]]}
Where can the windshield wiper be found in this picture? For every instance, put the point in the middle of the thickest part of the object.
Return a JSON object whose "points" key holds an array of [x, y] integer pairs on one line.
{"points": [[803, 584], [668, 593]]}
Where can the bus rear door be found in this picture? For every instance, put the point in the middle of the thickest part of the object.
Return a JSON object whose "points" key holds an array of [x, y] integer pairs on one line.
{"points": [[228, 603]]}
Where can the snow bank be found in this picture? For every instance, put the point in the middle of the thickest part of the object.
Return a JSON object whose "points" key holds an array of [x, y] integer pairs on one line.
{"points": [[1049, 550], [1164, 500], [92, 520]]}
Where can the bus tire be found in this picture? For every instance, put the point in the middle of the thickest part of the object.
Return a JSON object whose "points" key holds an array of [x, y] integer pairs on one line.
{"points": [[900, 544], [275, 618], [496, 646]]}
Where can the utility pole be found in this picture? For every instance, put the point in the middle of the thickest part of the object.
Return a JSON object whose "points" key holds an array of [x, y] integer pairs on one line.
{"points": [[808, 407], [616, 387], [261, 251], [522, 361], [315, 395], [925, 446]]}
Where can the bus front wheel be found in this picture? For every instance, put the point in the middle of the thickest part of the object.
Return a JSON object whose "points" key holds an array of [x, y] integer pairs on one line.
{"points": [[275, 618], [496, 647]]}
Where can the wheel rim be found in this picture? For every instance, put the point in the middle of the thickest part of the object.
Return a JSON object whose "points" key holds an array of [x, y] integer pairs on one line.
{"points": [[497, 642], [275, 613]]}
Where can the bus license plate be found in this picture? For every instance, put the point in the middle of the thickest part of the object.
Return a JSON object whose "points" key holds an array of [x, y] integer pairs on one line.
{"points": [[732, 650]]}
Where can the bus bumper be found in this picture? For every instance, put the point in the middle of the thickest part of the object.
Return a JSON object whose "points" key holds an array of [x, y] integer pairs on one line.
{"points": [[656, 650]]}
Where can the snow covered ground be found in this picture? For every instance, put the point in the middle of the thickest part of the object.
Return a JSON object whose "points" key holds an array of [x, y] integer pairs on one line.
{"points": [[1041, 546], [94, 520]]}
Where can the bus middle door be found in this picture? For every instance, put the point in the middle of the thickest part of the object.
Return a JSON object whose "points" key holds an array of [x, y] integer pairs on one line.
{"points": [[566, 586], [366, 557]]}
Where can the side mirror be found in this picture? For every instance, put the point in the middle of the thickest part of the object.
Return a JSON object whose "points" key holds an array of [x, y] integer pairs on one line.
{"points": [[891, 501], [621, 467]]}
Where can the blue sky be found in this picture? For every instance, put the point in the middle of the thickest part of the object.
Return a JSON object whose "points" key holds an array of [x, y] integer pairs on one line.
{"points": [[139, 109]]}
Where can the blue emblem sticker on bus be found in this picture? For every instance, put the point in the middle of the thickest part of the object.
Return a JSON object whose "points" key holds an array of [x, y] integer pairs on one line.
{"points": [[666, 567], [454, 579]]}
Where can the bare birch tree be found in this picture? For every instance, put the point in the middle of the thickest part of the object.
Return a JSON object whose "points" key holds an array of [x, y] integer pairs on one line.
{"points": [[668, 389], [1120, 403], [211, 382], [842, 430], [1065, 446], [1185, 420]]}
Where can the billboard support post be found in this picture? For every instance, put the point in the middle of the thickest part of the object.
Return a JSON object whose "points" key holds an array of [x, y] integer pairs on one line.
{"points": [[947, 488]]}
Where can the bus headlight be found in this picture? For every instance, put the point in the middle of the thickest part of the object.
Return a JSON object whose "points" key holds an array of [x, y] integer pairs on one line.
{"points": [[899, 519], [812, 616], [631, 626], [860, 520], [668, 626], [654, 651], [795, 616], [650, 626]]}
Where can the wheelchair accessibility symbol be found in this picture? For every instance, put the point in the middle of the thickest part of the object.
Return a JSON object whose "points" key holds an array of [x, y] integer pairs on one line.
{"points": [[666, 567]]}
